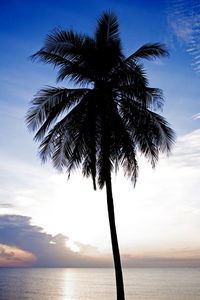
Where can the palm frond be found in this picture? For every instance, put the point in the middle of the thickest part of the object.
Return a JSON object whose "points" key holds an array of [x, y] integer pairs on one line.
{"points": [[52, 141], [107, 28], [69, 51], [150, 131], [123, 147], [77, 72], [60, 142], [52, 58], [154, 98], [129, 74], [65, 43], [49, 103], [149, 51], [62, 44]]}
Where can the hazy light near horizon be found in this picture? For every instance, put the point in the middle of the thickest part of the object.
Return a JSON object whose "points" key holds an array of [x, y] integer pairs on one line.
{"points": [[154, 215]]}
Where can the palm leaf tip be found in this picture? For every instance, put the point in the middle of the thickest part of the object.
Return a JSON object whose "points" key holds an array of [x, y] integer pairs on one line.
{"points": [[108, 26], [150, 51], [30, 120], [37, 56]]}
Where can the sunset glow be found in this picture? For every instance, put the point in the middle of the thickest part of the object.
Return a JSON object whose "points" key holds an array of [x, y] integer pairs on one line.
{"points": [[15, 257]]}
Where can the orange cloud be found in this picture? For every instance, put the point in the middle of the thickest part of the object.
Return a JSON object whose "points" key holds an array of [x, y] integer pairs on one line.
{"points": [[15, 257]]}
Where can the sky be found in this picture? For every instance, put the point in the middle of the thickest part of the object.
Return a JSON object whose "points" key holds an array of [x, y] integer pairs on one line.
{"points": [[49, 221]]}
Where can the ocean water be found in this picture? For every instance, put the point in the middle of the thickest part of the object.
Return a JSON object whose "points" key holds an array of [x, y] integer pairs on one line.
{"points": [[99, 284]]}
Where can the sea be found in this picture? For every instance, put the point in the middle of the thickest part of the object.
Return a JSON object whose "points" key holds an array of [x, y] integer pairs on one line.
{"points": [[99, 284]]}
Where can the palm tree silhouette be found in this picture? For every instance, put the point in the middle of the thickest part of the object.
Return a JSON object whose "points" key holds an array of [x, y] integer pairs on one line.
{"points": [[102, 123]]}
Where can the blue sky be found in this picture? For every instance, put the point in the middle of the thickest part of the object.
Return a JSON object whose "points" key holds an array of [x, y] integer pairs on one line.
{"points": [[30, 190]]}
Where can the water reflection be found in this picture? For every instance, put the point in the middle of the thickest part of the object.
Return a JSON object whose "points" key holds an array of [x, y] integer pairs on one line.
{"points": [[98, 284], [90, 284], [69, 285]]}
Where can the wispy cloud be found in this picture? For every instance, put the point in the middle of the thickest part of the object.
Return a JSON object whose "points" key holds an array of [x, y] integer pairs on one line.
{"points": [[184, 21], [197, 116]]}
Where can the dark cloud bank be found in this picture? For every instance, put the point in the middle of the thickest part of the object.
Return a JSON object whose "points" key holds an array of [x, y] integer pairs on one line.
{"points": [[51, 251]]}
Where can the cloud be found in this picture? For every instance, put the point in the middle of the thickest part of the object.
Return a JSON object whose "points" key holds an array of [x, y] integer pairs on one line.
{"points": [[6, 255], [197, 116], [50, 251], [22, 244], [184, 21], [6, 205], [186, 152], [163, 209], [15, 257]]}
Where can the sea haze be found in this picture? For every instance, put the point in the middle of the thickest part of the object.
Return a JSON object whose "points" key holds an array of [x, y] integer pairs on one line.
{"points": [[99, 284]]}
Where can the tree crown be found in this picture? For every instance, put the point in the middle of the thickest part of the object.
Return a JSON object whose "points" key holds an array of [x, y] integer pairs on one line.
{"points": [[109, 117]]}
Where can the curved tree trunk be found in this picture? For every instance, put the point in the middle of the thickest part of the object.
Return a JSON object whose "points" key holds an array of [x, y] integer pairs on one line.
{"points": [[115, 247]]}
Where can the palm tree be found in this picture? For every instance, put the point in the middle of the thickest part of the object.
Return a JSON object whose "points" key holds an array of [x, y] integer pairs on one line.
{"points": [[101, 124]]}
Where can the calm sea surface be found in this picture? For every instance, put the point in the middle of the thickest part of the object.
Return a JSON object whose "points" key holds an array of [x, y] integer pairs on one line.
{"points": [[99, 284]]}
